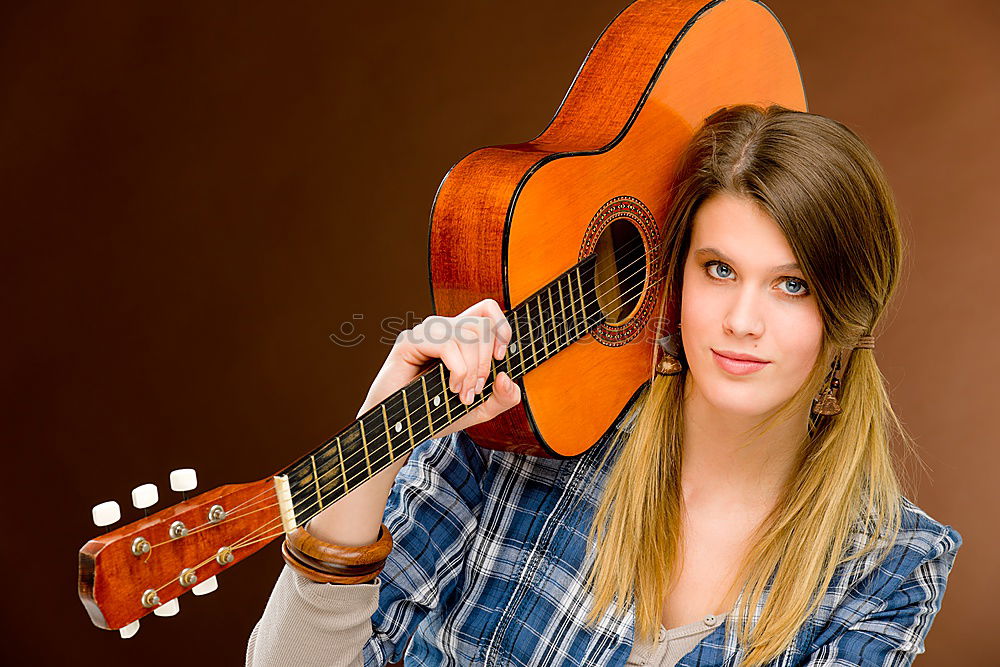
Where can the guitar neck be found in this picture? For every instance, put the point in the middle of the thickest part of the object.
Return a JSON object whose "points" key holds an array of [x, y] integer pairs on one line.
{"points": [[546, 322]]}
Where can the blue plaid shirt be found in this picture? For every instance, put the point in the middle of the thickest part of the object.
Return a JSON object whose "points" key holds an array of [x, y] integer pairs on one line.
{"points": [[490, 559]]}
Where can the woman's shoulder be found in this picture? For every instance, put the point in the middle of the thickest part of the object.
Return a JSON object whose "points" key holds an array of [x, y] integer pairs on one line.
{"points": [[922, 533], [922, 548], [919, 537]]}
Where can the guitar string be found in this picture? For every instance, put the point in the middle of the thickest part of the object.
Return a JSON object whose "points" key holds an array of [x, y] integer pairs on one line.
{"points": [[266, 538], [628, 246]]}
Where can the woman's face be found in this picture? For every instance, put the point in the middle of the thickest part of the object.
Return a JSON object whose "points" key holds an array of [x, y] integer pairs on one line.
{"points": [[740, 296]]}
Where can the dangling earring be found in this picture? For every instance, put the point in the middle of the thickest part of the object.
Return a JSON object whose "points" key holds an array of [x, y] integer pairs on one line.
{"points": [[825, 402], [670, 352]]}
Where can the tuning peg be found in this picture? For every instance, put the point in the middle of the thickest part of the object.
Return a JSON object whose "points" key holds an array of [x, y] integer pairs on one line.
{"points": [[144, 496], [106, 513], [168, 608], [129, 630], [184, 479], [206, 587]]}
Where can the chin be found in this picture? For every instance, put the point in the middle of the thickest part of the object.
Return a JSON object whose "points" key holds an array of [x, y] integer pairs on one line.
{"points": [[743, 399]]}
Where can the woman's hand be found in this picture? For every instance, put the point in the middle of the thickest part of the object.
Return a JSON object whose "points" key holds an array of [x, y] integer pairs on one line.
{"points": [[466, 344]]}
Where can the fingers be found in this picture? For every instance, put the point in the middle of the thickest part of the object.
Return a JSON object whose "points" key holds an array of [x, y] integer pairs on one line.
{"points": [[506, 394], [469, 337], [497, 335], [482, 325], [499, 325], [432, 339], [467, 344]]}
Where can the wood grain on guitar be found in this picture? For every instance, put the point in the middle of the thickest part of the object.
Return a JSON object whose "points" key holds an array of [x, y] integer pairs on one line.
{"points": [[117, 569]]}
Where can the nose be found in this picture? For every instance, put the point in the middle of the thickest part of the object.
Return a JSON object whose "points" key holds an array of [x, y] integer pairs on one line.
{"points": [[744, 317]]}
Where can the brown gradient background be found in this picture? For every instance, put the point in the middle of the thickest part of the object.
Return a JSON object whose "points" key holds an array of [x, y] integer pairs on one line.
{"points": [[196, 195]]}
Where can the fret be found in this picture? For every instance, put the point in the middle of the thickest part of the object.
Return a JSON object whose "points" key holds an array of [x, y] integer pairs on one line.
{"points": [[517, 339], [553, 322], [532, 337], [583, 304], [562, 313], [388, 435], [561, 316], [343, 466], [409, 426], [364, 445], [554, 319], [580, 330], [531, 333], [319, 496], [427, 404], [544, 328], [446, 392], [578, 326], [326, 459]]}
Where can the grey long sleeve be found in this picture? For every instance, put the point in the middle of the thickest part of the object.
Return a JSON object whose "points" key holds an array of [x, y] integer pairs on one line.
{"points": [[309, 624]]}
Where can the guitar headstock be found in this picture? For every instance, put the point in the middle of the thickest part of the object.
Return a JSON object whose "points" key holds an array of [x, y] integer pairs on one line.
{"points": [[146, 565]]}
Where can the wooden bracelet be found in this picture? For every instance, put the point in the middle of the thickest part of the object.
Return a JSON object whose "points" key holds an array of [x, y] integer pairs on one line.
{"points": [[333, 563]]}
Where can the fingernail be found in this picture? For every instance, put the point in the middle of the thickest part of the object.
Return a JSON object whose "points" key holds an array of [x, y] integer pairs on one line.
{"points": [[480, 383], [468, 397], [501, 352]]}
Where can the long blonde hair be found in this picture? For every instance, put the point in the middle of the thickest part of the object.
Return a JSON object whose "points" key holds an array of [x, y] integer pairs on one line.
{"points": [[821, 184]]}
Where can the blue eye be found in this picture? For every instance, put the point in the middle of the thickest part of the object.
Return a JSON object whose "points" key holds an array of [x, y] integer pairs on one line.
{"points": [[724, 267], [803, 290], [725, 271]]}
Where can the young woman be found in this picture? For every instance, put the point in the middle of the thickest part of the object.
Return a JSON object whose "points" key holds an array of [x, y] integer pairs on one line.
{"points": [[735, 517]]}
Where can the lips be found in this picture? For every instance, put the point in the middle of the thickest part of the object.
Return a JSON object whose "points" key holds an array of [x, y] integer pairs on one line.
{"points": [[738, 366], [739, 356]]}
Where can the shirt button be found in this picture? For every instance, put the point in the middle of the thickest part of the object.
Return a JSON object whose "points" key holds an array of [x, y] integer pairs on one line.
{"points": [[710, 620], [663, 634]]}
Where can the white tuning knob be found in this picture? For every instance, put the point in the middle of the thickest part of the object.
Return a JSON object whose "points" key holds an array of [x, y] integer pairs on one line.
{"points": [[129, 630], [184, 479], [206, 587], [106, 513], [145, 496], [168, 608]]}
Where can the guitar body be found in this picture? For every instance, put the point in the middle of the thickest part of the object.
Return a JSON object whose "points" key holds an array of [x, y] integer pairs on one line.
{"points": [[508, 219]]}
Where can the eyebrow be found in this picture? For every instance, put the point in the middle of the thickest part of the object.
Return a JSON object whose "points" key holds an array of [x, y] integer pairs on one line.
{"points": [[715, 251]]}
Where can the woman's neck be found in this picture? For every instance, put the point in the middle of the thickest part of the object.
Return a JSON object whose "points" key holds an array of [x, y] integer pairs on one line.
{"points": [[722, 465]]}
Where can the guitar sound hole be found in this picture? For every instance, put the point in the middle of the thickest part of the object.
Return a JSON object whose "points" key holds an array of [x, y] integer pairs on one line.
{"points": [[621, 270]]}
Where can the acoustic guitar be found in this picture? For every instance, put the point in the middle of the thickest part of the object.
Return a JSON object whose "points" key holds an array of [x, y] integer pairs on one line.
{"points": [[563, 231]]}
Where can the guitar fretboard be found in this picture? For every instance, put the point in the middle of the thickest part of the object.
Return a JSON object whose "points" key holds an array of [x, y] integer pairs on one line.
{"points": [[548, 321]]}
